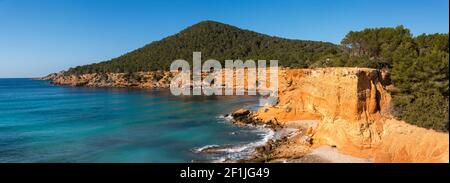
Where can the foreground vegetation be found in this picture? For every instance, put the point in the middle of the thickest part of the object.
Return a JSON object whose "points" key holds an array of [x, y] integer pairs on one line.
{"points": [[419, 66]]}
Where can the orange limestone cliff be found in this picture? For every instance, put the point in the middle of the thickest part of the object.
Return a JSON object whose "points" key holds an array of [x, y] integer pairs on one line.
{"points": [[352, 108]]}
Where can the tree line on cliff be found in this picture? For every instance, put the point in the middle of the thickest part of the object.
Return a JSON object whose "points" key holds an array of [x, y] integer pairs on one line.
{"points": [[419, 69], [418, 65]]}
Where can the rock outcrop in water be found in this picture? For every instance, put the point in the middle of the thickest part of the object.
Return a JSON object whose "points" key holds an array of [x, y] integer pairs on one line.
{"points": [[353, 110]]}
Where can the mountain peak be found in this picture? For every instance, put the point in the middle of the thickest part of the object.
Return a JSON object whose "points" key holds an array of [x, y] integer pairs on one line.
{"points": [[209, 23]]}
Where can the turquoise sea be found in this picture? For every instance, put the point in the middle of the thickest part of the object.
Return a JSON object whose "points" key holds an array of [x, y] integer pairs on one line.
{"points": [[40, 122]]}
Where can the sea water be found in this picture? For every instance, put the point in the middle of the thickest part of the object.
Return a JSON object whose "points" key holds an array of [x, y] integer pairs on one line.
{"points": [[40, 122]]}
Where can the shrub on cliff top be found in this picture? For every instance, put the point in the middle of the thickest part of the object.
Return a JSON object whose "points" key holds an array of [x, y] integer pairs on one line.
{"points": [[419, 65], [425, 110], [421, 73]]}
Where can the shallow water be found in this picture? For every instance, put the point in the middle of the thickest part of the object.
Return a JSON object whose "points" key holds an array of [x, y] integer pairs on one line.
{"points": [[40, 122]]}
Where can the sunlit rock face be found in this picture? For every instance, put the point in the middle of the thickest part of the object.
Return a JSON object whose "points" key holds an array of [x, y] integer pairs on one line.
{"points": [[353, 110]]}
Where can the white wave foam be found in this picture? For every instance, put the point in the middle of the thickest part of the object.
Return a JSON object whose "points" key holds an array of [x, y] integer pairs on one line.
{"points": [[266, 135], [200, 149], [227, 118], [240, 151]]}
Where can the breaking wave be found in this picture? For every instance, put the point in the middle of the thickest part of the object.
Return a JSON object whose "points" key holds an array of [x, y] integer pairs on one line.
{"points": [[237, 151]]}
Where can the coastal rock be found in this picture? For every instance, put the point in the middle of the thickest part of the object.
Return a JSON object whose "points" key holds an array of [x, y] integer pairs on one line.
{"points": [[245, 117], [266, 148], [240, 113], [49, 77]]}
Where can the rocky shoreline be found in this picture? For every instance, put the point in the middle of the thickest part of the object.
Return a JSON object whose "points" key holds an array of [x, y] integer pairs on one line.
{"points": [[284, 147], [297, 147], [273, 149], [292, 144], [155, 79], [350, 106]]}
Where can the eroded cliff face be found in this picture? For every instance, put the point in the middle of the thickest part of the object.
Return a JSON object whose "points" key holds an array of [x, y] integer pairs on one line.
{"points": [[352, 107]]}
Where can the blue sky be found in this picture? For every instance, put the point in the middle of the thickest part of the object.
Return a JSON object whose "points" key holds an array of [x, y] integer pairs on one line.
{"points": [[40, 37]]}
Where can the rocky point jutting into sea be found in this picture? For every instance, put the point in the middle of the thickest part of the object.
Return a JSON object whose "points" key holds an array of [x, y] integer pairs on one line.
{"points": [[347, 109]]}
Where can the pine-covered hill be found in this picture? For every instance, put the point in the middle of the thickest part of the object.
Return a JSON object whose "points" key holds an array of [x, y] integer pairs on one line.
{"points": [[216, 41]]}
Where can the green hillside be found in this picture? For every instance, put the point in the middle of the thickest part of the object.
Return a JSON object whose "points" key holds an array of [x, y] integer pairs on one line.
{"points": [[216, 41]]}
